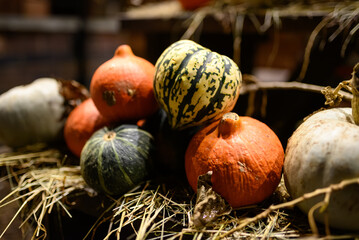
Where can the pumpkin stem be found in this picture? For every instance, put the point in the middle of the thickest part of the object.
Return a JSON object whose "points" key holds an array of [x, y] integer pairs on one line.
{"points": [[109, 136], [333, 97], [123, 51], [228, 125], [354, 82]]}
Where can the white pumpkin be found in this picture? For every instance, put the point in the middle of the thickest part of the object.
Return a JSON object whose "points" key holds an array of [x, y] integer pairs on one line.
{"points": [[324, 150], [35, 112]]}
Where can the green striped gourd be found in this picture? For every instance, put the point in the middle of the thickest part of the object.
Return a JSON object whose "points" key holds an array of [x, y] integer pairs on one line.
{"points": [[116, 160], [195, 85]]}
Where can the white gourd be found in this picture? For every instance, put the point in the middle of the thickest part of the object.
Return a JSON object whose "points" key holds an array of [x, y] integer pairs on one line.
{"points": [[32, 113], [324, 150]]}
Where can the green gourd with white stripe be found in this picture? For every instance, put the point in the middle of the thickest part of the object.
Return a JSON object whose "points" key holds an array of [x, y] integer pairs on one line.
{"points": [[194, 85], [114, 161]]}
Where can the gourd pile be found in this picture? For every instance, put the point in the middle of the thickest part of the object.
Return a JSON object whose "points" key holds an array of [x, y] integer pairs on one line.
{"points": [[138, 119]]}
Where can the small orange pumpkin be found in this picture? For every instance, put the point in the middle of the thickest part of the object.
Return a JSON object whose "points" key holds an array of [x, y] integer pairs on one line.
{"points": [[193, 4], [82, 122], [122, 87], [244, 155]]}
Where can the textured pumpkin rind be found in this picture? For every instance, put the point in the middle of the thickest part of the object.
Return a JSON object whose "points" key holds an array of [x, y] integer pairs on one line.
{"points": [[322, 151], [116, 166], [246, 168], [122, 87], [195, 85]]}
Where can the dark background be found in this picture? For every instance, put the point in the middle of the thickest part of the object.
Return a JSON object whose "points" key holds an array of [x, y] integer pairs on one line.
{"points": [[70, 39]]}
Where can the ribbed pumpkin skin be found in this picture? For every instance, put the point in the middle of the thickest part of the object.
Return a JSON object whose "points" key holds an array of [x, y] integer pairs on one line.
{"points": [[114, 161], [195, 85], [245, 156]]}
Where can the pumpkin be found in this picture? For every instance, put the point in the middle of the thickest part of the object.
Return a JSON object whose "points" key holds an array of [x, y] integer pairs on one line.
{"points": [[324, 150], [115, 160], [37, 112], [193, 4], [82, 122], [122, 87], [244, 155], [194, 85]]}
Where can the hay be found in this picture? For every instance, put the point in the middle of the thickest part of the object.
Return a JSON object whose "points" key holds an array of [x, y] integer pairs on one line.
{"points": [[39, 182], [154, 210], [39, 190]]}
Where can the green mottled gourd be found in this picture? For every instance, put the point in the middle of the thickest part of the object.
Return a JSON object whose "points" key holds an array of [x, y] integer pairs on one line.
{"points": [[194, 85], [114, 161]]}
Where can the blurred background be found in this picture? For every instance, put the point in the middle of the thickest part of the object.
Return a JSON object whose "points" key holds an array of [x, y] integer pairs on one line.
{"points": [[59, 38], [70, 39]]}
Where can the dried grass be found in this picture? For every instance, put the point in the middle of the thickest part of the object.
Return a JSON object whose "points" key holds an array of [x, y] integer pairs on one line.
{"points": [[39, 190], [39, 182], [153, 210]]}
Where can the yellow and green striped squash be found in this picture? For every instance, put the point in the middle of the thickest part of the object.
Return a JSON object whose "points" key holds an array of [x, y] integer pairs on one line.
{"points": [[194, 85]]}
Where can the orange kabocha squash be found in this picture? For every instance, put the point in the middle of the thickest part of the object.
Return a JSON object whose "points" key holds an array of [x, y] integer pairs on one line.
{"points": [[244, 155], [82, 122], [122, 87]]}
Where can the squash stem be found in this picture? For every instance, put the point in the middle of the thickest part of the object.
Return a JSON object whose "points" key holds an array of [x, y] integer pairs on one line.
{"points": [[354, 82], [228, 125], [123, 51], [109, 136], [333, 97]]}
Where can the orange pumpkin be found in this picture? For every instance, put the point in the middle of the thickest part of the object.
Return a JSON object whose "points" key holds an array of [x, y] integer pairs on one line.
{"points": [[244, 155], [122, 87], [193, 4], [82, 122]]}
